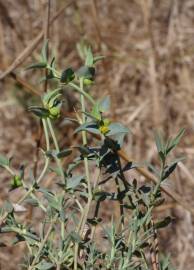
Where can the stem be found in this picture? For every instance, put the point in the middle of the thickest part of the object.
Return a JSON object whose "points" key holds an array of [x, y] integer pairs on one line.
{"points": [[84, 215], [42, 244], [79, 205], [81, 91], [144, 259], [73, 85], [9, 170], [62, 233], [121, 207], [59, 164], [58, 161], [160, 179], [46, 134], [39, 203], [84, 139], [46, 37], [38, 181]]}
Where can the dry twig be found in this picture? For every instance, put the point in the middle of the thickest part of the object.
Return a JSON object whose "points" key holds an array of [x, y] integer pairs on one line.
{"points": [[33, 44]]}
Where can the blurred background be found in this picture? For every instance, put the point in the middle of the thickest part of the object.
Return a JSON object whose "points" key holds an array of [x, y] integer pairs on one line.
{"points": [[148, 72]]}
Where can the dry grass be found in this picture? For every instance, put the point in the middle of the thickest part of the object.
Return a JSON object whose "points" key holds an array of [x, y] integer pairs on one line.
{"points": [[148, 73]]}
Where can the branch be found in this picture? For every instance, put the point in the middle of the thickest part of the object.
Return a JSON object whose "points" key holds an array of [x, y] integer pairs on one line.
{"points": [[33, 44]]}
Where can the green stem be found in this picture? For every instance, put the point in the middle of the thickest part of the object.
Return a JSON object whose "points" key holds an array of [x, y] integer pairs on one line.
{"points": [[144, 259], [9, 170], [42, 244], [58, 161], [81, 91], [56, 73], [160, 179], [39, 203], [46, 134], [84, 215], [84, 139], [75, 86], [38, 181]]}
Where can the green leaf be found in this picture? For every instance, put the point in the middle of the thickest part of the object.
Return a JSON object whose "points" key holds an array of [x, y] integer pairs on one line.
{"points": [[105, 104], [18, 239], [74, 181], [21, 171], [52, 64], [75, 237], [51, 98], [89, 58], [162, 156], [67, 76], [68, 120], [116, 128], [96, 111], [61, 154], [37, 65], [85, 151], [39, 111], [94, 221], [44, 265], [82, 49], [165, 264], [52, 199], [98, 58], [86, 72], [44, 51], [8, 207], [153, 170], [159, 142], [173, 143], [4, 161], [51, 153], [158, 202], [163, 223], [89, 127], [32, 201], [64, 153], [117, 132], [101, 195], [168, 170], [16, 182]]}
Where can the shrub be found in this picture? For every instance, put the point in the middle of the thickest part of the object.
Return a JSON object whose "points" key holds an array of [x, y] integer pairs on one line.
{"points": [[65, 235]]}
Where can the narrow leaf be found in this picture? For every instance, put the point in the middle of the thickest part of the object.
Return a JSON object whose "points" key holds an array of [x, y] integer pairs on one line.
{"points": [[163, 223], [4, 161], [37, 65], [64, 153]]}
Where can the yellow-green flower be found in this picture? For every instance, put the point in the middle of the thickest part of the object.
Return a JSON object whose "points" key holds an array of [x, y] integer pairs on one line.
{"points": [[104, 126], [104, 129], [54, 112]]}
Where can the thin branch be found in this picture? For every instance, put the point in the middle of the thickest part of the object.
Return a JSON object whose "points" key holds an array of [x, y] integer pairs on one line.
{"points": [[151, 177], [28, 87], [46, 37], [33, 44], [42, 245]]}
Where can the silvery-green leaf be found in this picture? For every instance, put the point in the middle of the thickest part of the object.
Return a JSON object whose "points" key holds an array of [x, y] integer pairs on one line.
{"points": [[74, 181], [105, 104], [4, 161], [90, 127]]}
